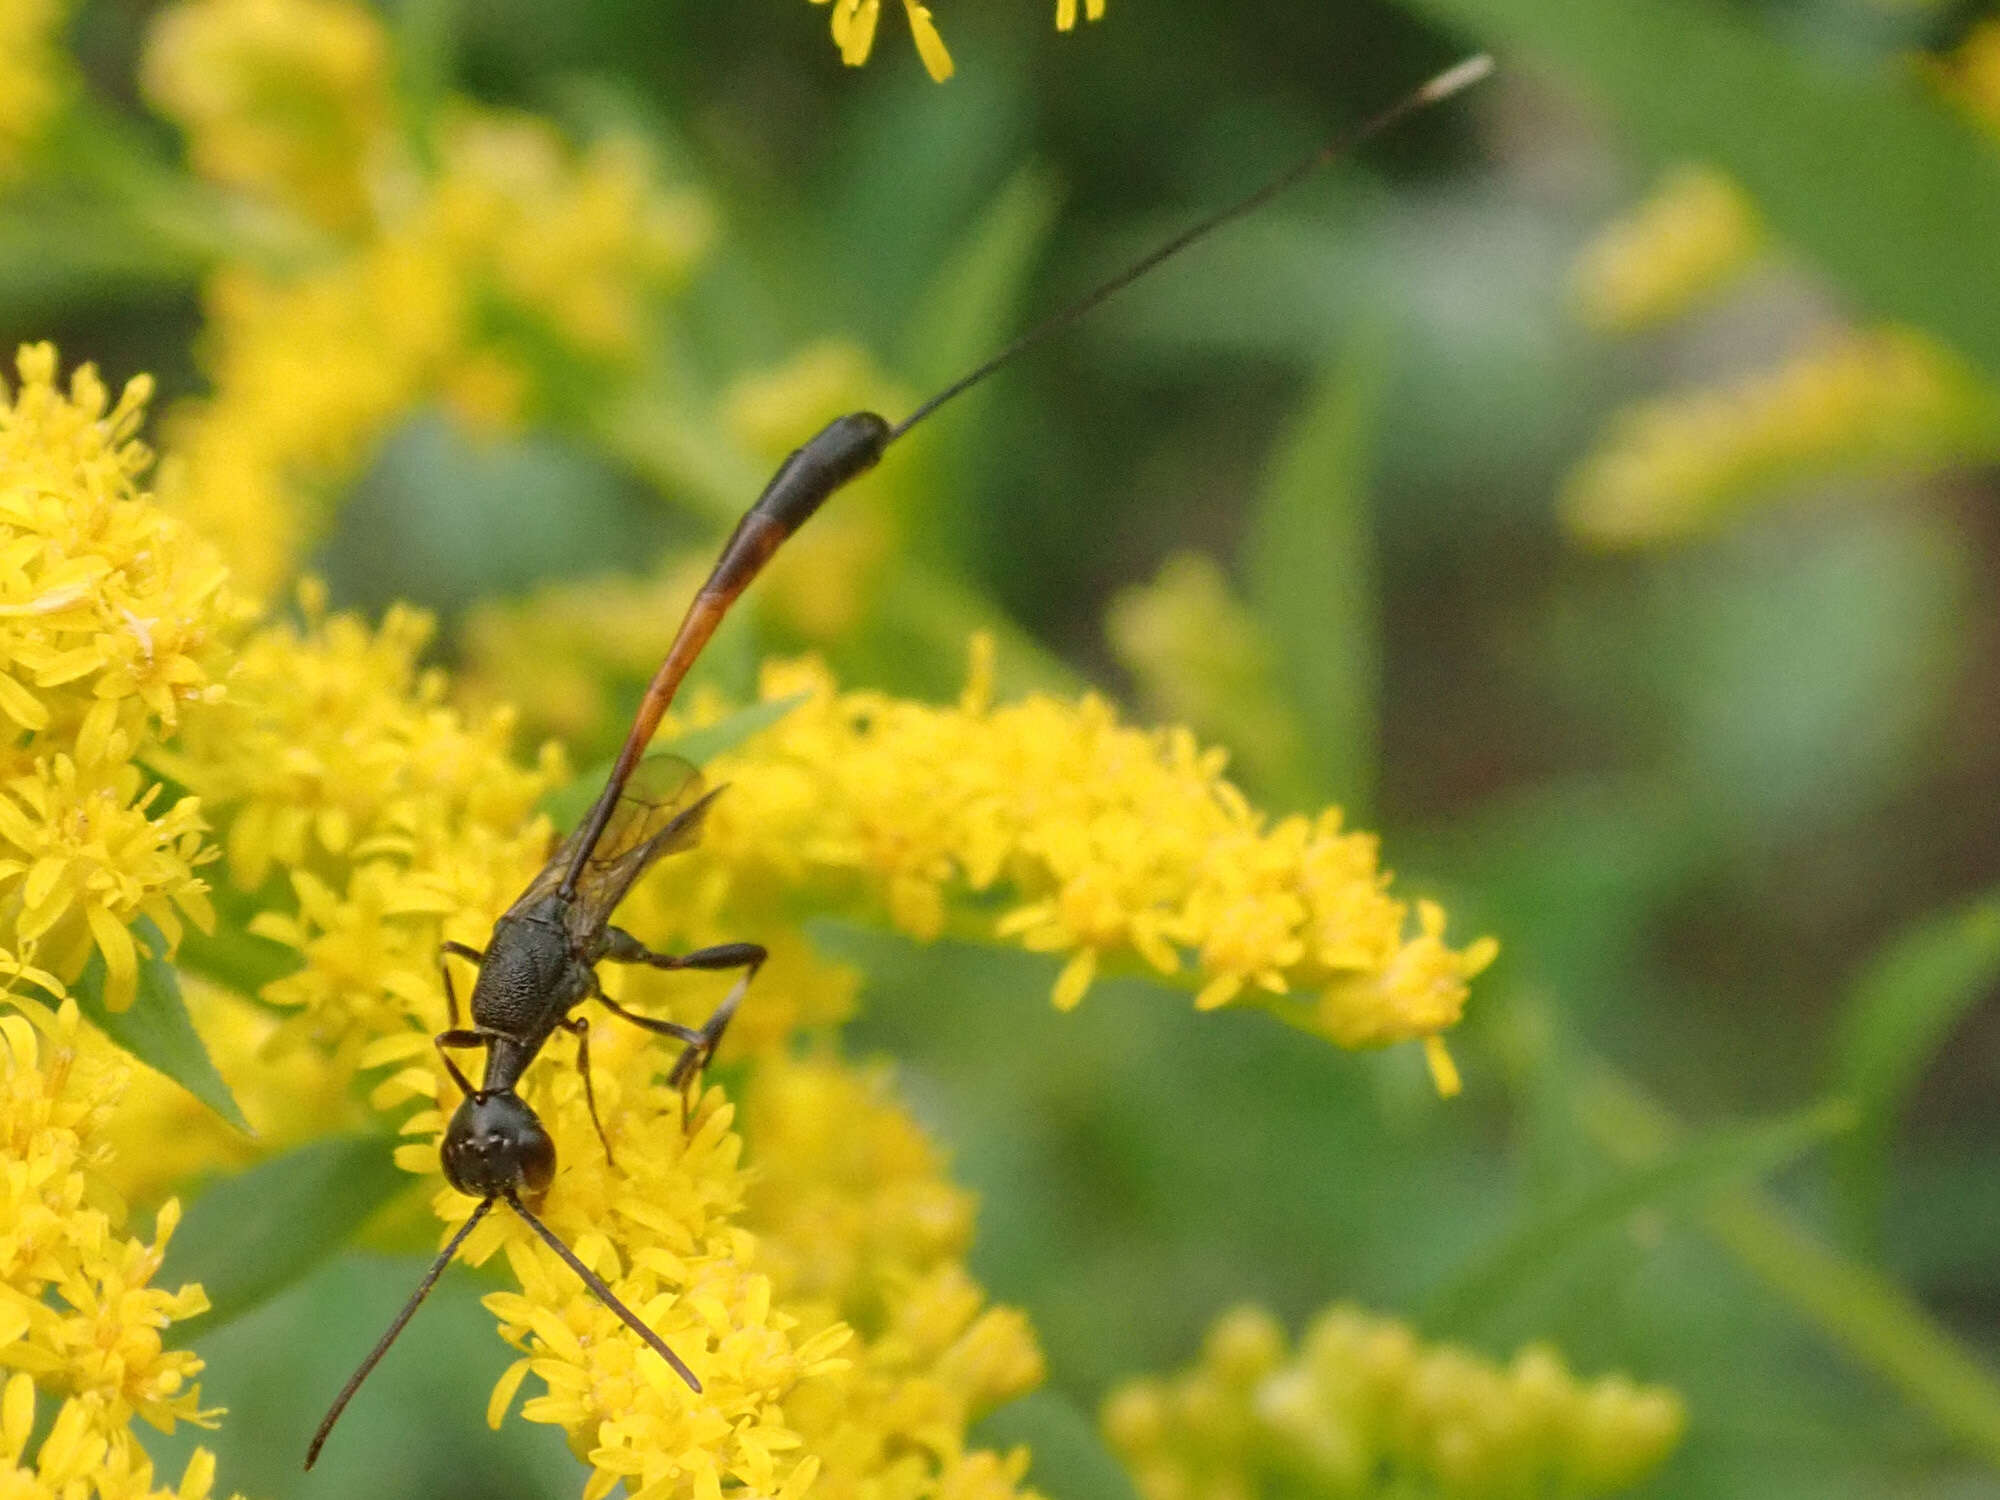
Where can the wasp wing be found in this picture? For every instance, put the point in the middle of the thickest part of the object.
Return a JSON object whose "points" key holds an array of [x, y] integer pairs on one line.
{"points": [[662, 789]]}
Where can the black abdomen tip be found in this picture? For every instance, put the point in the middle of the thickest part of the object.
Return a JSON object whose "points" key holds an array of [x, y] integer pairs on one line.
{"points": [[845, 447]]}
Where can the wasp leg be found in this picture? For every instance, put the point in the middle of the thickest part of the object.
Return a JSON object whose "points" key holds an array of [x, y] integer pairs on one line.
{"points": [[579, 1028], [622, 947], [673, 1029], [688, 1068], [459, 1036], [450, 992]]}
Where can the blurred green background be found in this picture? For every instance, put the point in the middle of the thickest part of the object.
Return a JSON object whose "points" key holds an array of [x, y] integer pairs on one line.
{"points": [[1732, 805]]}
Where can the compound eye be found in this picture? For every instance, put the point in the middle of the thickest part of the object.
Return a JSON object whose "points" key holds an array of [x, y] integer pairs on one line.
{"points": [[535, 1158]]}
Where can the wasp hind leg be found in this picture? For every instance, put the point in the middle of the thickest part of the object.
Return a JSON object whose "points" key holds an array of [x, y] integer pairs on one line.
{"points": [[698, 1046]]}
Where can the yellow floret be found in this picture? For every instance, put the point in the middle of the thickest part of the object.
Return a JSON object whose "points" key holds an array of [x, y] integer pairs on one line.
{"points": [[1362, 1408]]}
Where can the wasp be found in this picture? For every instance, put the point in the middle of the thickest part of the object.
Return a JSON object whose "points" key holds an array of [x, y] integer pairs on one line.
{"points": [[541, 962]]}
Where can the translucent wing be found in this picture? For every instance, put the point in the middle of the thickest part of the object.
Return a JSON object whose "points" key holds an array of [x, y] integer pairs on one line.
{"points": [[659, 811]]}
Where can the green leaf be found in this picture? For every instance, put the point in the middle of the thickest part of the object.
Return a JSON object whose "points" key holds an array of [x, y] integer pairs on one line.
{"points": [[251, 1235], [700, 746], [1856, 167], [1896, 1016], [232, 955], [1697, 1167], [155, 1028], [968, 312], [1309, 565], [972, 302], [1070, 1459], [567, 804]]}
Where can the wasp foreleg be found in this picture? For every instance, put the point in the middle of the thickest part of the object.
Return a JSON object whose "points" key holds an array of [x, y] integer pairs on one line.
{"points": [[445, 950], [459, 1036]]}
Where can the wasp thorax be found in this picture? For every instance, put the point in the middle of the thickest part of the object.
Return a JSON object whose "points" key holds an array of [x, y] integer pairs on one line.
{"points": [[495, 1145]]}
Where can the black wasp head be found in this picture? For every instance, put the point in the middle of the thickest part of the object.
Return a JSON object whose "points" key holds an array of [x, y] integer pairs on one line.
{"points": [[495, 1145]]}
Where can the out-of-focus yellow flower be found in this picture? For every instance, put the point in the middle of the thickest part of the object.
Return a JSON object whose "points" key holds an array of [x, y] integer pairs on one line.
{"points": [[1970, 75], [1885, 402], [289, 97], [1198, 657], [164, 1136], [33, 74], [1696, 230], [823, 583], [480, 278], [112, 622], [78, 1316], [565, 651], [1362, 1409]]}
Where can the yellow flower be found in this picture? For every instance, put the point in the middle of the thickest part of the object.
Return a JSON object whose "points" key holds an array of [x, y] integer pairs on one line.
{"points": [[853, 24], [1093, 10], [108, 606], [113, 619], [164, 1136], [78, 1315], [1103, 842], [477, 278], [85, 855], [1889, 401], [855, 1218], [1696, 230], [1363, 1409], [1971, 74], [289, 97], [33, 75], [336, 762], [1200, 658], [854, 34]]}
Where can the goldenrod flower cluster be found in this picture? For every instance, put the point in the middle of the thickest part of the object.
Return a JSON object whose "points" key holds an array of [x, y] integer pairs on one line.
{"points": [[1050, 824], [32, 75], [1867, 403], [1363, 1409], [1696, 231], [816, 1285], [477, 278], [1888, 402], [854, 30], [370, 819], [288, 98], [858, 1225], [110, 613], [79, 1318]]}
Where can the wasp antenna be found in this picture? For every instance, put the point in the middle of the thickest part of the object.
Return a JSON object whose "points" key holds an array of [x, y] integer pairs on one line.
{"points": [[604, 1294], [1443, 86], [382, 1345], [850, 445]]}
